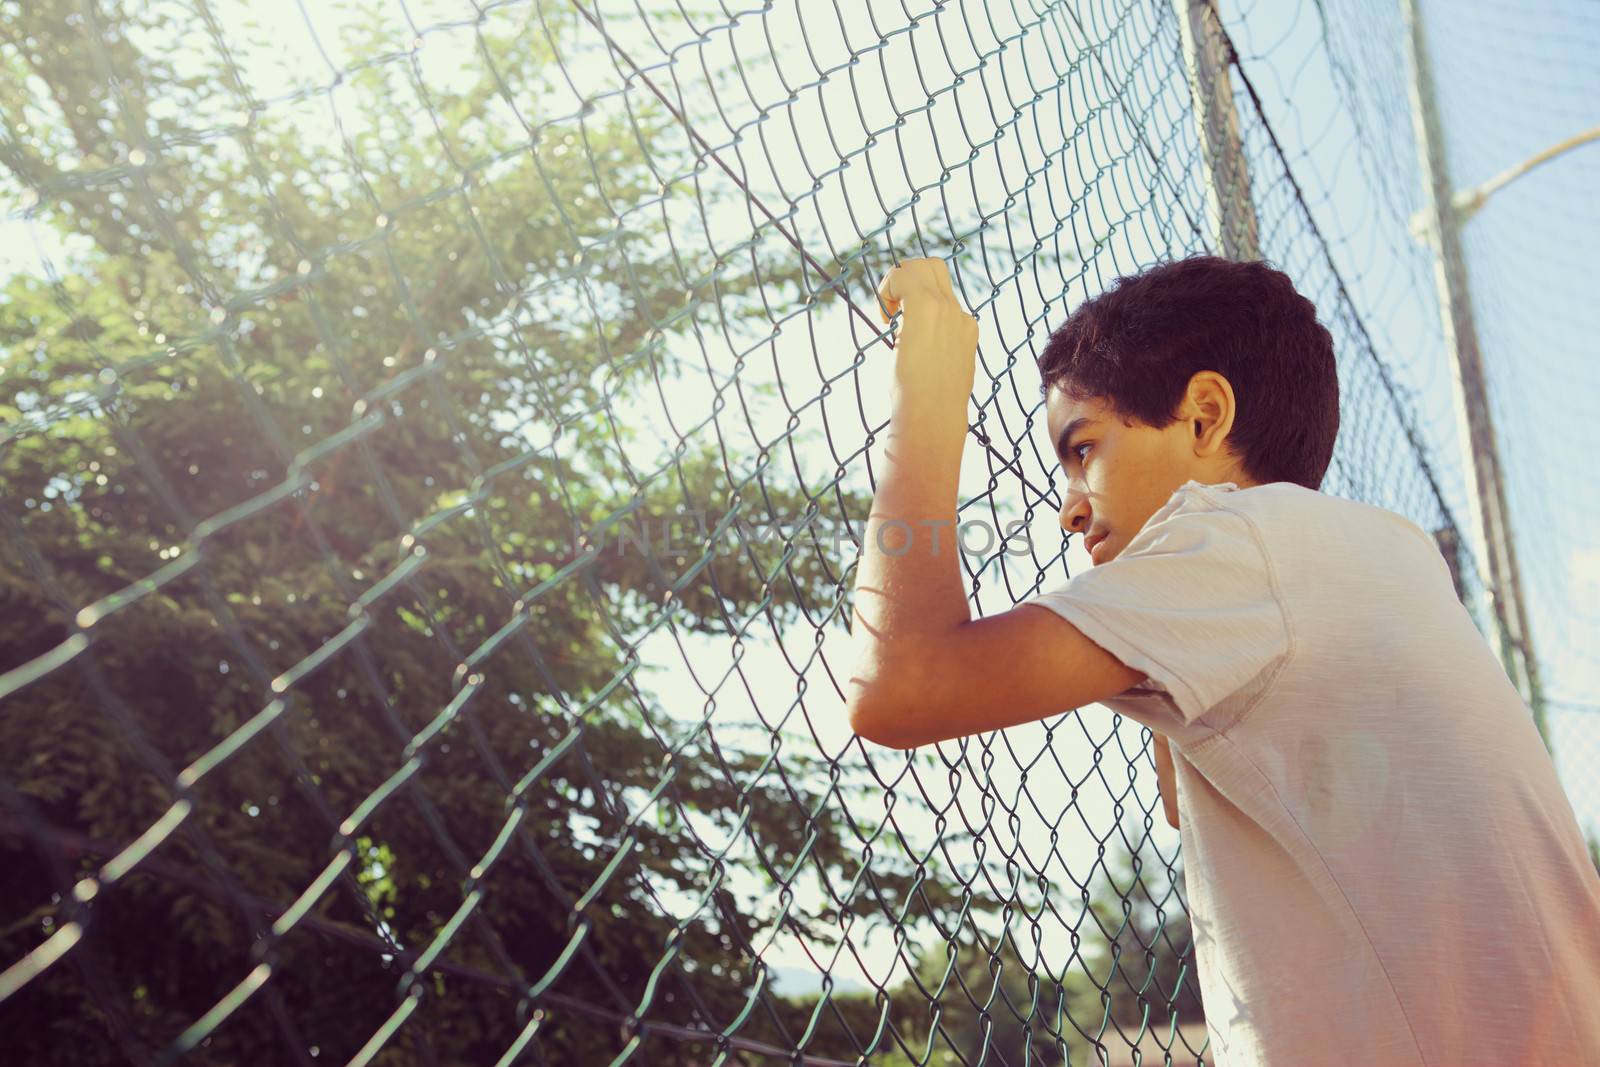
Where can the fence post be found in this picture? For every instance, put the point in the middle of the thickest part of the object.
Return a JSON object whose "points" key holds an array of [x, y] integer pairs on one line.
{"points": [[1493, 548], [1230, 213]]}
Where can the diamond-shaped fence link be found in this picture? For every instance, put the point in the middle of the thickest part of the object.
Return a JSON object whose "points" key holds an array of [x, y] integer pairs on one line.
{"points": [[433, 438]]}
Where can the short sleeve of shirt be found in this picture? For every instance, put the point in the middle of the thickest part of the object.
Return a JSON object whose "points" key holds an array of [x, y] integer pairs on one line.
{"points": [[1190, 602]]}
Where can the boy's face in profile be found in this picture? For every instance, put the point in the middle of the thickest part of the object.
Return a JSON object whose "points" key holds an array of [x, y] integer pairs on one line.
{"points": [[1120, 471]]}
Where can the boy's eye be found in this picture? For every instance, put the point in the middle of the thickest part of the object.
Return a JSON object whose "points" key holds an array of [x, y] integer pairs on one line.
{"points": [[1079, 450]]}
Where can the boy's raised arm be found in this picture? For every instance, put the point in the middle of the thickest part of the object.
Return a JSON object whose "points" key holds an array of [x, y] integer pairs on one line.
{"points": [[908, 587], [924, 670]]}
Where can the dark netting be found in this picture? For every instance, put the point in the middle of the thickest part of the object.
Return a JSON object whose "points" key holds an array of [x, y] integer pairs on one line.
{"points": [[432, 436]]}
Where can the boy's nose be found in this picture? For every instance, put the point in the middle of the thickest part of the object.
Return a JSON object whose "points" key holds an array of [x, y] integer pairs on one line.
{"points": [[1075, 512]]}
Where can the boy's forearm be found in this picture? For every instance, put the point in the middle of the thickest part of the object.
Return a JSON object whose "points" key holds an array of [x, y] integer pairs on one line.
{"points": [[908, 584]]}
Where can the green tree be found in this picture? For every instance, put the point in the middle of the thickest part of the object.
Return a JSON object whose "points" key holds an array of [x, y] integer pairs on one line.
{"points": [[285, 379], [1143, 954]]}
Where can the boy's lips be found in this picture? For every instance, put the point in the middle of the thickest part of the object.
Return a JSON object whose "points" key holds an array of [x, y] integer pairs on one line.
{"points": [[1093, 542]]}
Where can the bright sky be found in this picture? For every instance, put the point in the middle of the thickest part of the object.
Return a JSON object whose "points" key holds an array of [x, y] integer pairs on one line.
{"points": [[1529, 74]]}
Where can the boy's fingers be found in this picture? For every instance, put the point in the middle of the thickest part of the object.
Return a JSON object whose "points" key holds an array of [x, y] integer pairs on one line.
{"points": [[915, 280], [888, 302], [929, 274]]}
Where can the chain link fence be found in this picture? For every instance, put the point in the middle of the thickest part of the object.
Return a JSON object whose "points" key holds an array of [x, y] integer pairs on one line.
{"points": [[1527, 248], [433, 437]]}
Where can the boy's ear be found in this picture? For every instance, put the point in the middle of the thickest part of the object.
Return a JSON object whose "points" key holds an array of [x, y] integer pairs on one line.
{"points": [[1210, 411]]}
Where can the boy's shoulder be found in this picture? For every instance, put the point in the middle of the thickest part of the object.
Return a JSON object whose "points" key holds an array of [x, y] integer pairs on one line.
{"points": [[1290, 504], [1319, 532]]}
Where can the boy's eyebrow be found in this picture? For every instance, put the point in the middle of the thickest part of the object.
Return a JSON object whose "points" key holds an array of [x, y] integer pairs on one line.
{"points": [[1066, 434]]}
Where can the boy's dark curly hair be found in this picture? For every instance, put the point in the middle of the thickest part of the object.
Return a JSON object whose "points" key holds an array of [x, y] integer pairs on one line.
{"points": [[1136, 346]]}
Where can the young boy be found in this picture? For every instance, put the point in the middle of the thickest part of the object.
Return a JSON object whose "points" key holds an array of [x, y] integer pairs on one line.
{"points": [[1382, 867]]}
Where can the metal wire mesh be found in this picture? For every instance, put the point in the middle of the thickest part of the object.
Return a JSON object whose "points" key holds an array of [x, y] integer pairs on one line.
{"points": [[432, 437], [1528, 250]]}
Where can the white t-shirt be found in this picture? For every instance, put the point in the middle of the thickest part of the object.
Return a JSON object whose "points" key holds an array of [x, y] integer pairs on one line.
{"points": [[1382, 867]]}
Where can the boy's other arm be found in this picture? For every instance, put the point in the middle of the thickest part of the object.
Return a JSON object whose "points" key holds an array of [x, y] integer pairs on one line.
{"points": [[1166, 781]]}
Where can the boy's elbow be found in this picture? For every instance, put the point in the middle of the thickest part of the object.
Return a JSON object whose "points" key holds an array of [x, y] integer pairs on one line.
{"points": [[886, 710], [879, 718], [891, 696]]}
